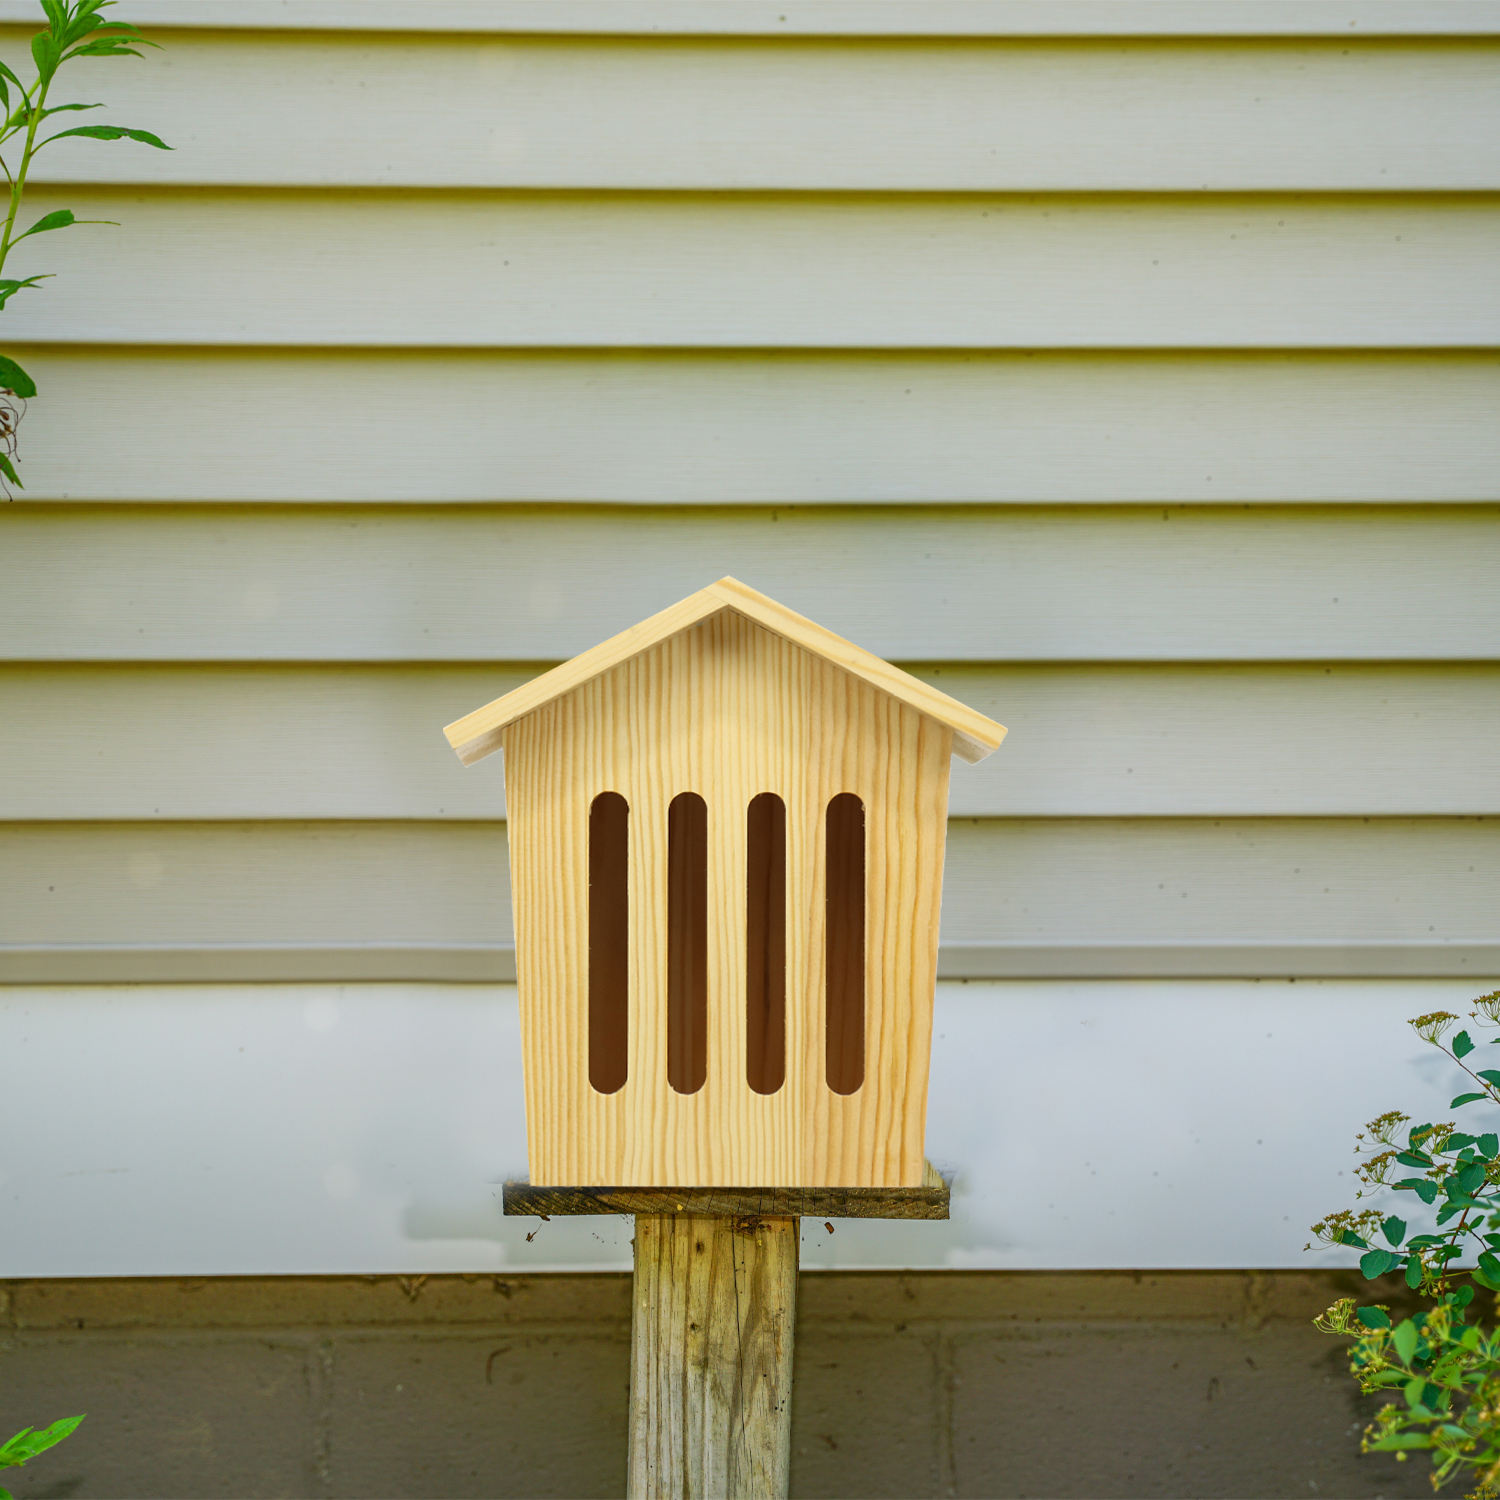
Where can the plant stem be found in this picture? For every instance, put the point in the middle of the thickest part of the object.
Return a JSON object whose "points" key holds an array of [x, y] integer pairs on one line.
{"points": [[19, 185]]}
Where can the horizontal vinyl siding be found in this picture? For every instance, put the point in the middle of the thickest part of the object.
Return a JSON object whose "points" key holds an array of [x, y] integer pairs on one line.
{"points": [[539, 584], [1021, 896], [193, 743], [1096, 114], [1140, 389], [757, 270], [901, 18], [751, 427]]}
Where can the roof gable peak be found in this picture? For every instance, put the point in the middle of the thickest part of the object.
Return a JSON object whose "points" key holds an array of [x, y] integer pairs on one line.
{"points": [[477, 734]]}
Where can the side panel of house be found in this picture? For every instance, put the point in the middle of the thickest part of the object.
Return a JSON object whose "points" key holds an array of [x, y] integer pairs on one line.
{"points": [[1138, 388], [727, 712]]}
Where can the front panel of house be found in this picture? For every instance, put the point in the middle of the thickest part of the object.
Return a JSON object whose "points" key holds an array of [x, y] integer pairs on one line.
{"points": [[726, 864]]}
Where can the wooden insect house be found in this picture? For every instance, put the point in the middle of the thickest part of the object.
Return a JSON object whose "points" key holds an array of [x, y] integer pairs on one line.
{"points": [[726, 833]]}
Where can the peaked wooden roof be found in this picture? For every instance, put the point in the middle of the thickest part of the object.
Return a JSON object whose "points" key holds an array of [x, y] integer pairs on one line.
{"points": [[476, 734]]}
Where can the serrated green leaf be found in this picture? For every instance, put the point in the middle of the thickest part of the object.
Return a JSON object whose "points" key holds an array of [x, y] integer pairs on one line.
{"points": [[1463, 1044], [1488, 1145], [1471, 1176], [1394, 1230], [1404, 1340], [1374, 1317], [1376, 1263], [109, 133], [1427, 1192], [15, 380]]}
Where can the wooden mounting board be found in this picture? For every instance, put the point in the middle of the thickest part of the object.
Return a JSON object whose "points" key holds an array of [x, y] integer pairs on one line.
{"points": [[929, 1201]]}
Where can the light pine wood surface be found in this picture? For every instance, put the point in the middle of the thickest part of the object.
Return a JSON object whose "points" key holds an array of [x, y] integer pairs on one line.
{"points": [[477, 734], [727, 709], [712, 1321]]}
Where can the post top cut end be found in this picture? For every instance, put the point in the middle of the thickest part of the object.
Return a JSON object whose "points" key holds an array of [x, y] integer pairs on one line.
{"points": [[478, 733]]}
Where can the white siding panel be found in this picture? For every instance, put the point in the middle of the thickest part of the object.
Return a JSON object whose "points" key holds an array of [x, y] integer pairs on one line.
{"points": [[489, 111], [764, 428], [364, 1129], [761, 270], [133, 742], [977, 18], [539, 585], [1206, 896]]}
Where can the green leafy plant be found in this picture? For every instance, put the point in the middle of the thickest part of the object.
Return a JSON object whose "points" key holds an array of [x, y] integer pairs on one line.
{"points": [[1441, 1363], [28, 1442], [75, 29]]}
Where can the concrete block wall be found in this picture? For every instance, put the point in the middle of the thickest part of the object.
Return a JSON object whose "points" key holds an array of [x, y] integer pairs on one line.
{"points": [[931, 1384]]}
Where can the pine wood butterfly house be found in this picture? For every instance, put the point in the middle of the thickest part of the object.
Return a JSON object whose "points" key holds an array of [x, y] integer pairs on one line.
{"points": [[726, 831]]}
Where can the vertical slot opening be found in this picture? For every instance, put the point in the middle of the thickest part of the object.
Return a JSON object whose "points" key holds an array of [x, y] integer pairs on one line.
{"points": [[844, 951], [609, 942], [687, 942], [765, 945]]}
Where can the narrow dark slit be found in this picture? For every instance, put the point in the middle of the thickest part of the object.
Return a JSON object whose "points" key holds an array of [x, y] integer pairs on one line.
{"points": [[687, 942], [765, 944], [609, 942], [844, 950]]}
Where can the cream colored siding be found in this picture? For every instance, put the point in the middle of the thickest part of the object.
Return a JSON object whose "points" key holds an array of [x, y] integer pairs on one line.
{"points": [[1126, 369]]}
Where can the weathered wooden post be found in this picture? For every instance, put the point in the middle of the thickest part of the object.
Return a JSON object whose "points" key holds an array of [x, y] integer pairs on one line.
{"points": [[726, 849]]}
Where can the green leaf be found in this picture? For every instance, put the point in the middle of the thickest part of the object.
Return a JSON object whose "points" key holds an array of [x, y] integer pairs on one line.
{"points": [[1488, 1282], [1376, 1263], [14, 1447], [1463, 1044], [1471, 1176], [14, 379], [1488, 1145], [49, 1437], [9, 286], [57, 109], [1456, 1140], [1466, 1099], [1396, 1440], [1394, 1230], [8, 469], [110, 133], [1427, 1192], [1490, 1075], [1413, 1273], [45, 54], [59, 218], [1404, 1340], [1414, 1158], [1374, 1317], [5, 72]]}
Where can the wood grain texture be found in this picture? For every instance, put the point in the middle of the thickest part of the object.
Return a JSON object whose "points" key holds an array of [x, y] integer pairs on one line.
{"points": [[929, 1201], [765, 427], [1121, 115], [502, 584], [713, 1310], [478, 733], [729, 710], [685, 270]]}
